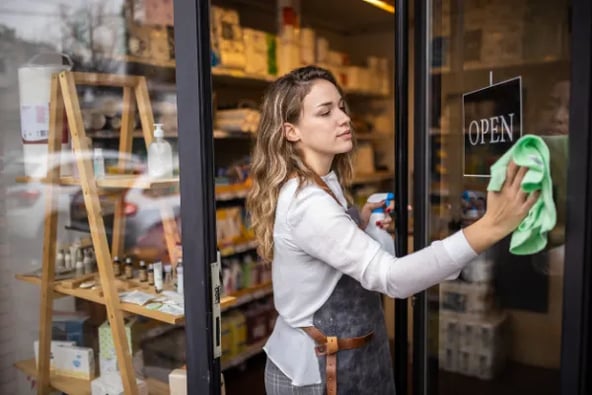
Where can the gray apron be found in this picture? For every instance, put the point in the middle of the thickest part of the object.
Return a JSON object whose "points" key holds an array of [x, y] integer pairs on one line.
{"points": [[353, 311]]}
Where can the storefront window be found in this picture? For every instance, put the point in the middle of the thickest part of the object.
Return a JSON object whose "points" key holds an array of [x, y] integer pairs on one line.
{"points": [[90, 176], [90, 179], [499, 70]]}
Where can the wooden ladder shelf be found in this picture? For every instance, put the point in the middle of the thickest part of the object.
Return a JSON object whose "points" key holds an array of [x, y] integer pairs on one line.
{"points": [[64, 99]]}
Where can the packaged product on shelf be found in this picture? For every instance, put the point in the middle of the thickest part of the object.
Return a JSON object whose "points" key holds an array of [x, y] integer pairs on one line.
{"points": [[227, 40], [473, 346], [158, 12], [257, 322], [255, 51], [77, 362], [467, 298], [160, 155], [364, 159], [307, 46], [68, 326], [226, 338], [133, 329], [237, 273], [479, 270], [238, 120], [53, 349], [111, 384], [448, 359], [229, 226], [272, 67], [178, 382], [238, 331]]}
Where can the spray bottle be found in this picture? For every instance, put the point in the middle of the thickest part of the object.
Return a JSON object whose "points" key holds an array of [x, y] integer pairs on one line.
{"points": [[378, 214]]}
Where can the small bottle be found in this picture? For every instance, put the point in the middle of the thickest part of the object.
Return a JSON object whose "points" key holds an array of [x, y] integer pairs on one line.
{"points": [[129, 268], [150, 274], [116, 267], [168, 276], [87, 261], [98, 163], [157, 267], [68, 261], [79, 268], [142, 272], [179, 269], [60, 264], [160, 155]]}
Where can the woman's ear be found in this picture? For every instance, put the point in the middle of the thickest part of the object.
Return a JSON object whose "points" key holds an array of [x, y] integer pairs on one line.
{"points": [[291, 132]]}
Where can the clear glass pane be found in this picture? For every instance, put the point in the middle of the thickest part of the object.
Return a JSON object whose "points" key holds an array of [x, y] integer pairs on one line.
{"points": [[124, 50], [498, 327]]}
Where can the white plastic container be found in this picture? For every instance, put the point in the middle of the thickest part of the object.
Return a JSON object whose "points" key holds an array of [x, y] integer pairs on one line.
{"points": [[179, 269], [160, 155], [34, 80]]}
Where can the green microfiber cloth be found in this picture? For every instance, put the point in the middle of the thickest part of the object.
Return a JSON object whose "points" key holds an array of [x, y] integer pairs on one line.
{"points": [[529, 151]]}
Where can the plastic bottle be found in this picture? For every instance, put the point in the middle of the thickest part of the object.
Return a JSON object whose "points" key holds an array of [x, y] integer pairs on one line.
{"points": [[179, 270], [157, 267], [150, 274], [116, 266], [98, 163], [160, 155], [378, 214], [143, 272], [129, 268]]}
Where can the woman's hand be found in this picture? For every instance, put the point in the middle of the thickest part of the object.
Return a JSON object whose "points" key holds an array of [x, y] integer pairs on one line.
{"points": [[366, 212], [505, 210]]}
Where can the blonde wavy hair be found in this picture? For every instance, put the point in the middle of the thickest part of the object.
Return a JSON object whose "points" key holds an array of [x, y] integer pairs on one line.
{"points": [[275, 159]]}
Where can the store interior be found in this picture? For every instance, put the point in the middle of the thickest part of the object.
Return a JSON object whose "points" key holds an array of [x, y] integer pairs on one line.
{"points": [[253, 42]]}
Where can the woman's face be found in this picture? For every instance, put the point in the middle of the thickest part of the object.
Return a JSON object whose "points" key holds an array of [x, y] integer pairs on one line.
{"points": [[554, 117], [324, 129]]}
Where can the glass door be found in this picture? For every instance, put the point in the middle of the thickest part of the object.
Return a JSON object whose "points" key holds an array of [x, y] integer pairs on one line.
{"points": [[494, 71]]}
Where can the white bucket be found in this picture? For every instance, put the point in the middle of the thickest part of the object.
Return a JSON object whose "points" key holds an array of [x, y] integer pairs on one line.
{"points": [[34, 96]]}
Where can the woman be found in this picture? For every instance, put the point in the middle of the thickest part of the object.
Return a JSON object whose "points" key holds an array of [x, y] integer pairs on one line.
{"points": [[327, 272]]}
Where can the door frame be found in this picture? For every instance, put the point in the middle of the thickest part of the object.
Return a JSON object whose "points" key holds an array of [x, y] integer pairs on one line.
{"points": [[576, 352], [576, 348], [196, 152]]}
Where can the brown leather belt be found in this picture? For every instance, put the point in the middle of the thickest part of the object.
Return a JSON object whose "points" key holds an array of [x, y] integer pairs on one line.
{"points": [[329, 346]]}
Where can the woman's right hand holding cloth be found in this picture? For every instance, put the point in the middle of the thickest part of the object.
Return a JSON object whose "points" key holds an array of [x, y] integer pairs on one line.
{"points": [[505, 210]]}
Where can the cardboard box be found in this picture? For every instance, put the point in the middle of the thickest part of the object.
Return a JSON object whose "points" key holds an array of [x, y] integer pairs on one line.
{"points": [[53, 350], [178, 382], [68, 326], [106, 346], [77, 362]]}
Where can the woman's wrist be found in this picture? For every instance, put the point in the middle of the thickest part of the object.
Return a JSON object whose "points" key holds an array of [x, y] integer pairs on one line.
{"points": [[483, 233]]}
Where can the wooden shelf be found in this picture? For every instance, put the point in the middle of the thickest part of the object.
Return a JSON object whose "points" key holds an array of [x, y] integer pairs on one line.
{"points": [[223, 74], [373, 136], [73, 386], [94, 296], [247, 295], [68, 385], [487, 67], [113, 181], [238, 248], [250, 351], [222, 134], [379, 176]]}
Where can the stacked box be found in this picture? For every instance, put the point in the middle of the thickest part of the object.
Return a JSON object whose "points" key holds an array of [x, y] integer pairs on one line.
{"points": [[472, 334]]}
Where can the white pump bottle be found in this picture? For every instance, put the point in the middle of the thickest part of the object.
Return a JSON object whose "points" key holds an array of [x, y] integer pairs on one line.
{"points": [[160, 155], [378, 214]]}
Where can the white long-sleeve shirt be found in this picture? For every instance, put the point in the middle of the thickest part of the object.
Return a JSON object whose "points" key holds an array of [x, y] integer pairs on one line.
{"points": [[315, 242]]}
